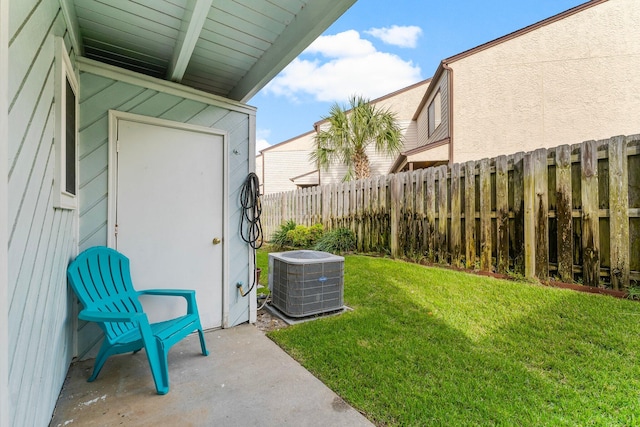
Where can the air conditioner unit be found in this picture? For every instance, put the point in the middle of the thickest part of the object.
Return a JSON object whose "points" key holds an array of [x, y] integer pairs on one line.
{"points": [[304, 283]]}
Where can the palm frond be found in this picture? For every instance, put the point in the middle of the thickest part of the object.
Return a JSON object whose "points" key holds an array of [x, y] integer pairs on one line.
{"points": [[348, 133]]}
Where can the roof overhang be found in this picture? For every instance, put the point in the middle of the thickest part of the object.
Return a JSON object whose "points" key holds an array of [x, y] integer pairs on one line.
{"points": [[308, 179], [433, 154], [227, 48]]}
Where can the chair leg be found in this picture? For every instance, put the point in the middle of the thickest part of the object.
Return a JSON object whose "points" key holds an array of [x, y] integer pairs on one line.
{"points": [[203, 346], [157, 357], [102, 357]]}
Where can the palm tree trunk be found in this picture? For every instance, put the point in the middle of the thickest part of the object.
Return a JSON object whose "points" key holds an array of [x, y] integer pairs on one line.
{"points": [[361, 165]]}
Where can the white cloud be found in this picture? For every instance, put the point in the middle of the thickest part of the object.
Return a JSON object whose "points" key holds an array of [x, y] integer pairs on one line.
{"points": [[261, 139], [397, 36], [342, 45], [354, 66], [261, 144]]}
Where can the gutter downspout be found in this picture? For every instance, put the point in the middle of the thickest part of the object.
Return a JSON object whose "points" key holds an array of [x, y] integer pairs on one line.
{"points": [[450, 109]]}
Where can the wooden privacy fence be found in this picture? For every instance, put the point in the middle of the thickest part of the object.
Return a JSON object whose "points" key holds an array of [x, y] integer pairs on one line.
{"points": [[570, 213]]}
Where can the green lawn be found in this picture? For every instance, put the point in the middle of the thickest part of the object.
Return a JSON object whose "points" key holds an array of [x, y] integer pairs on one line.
{"points": [[429, 346]]}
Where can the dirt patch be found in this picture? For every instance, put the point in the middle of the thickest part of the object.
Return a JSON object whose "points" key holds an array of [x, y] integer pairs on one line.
{"points": [[266, 322]]}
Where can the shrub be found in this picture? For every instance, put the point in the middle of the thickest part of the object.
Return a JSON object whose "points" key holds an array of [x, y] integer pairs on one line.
{"points": [[279, 238], [304, 237], [337, 241], [315, 233], [299, 236]]}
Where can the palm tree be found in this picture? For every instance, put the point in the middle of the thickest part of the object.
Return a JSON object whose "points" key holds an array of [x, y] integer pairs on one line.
{"points": [[349, 134]]}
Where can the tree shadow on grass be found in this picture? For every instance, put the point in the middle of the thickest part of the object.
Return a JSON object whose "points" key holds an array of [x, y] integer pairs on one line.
{"points": [[400, 363]]}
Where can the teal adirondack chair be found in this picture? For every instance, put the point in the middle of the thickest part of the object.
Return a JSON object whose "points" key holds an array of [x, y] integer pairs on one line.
{"points": [[101, 279]]}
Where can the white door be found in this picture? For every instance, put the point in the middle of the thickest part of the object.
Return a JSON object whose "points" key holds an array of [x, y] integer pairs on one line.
{"points": [[169, 210]]}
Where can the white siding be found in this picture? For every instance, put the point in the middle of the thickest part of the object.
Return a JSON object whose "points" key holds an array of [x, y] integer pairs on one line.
{"points": [[99, 93], [41, 239], [282, 166], [285, 161]]}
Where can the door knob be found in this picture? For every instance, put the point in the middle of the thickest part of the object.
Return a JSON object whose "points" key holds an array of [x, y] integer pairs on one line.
{"points": [[216, 240]]}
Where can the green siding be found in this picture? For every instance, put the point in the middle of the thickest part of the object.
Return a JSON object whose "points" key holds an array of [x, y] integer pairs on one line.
{"points": [[41, 238], [98, 95]]}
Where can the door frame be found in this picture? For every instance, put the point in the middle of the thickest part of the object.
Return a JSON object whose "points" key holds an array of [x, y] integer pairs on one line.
{"points": [[114, 118]]}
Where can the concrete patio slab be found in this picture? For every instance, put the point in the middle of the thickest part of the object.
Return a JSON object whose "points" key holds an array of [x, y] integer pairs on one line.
{"points": [[246, 380]]}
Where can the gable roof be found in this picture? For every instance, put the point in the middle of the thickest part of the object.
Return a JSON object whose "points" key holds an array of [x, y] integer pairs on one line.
{"points": [[387, 96], [227, 48], [288, 141]]}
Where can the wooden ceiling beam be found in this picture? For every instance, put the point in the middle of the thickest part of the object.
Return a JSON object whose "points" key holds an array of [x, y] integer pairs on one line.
{"points": [[192, 24]]}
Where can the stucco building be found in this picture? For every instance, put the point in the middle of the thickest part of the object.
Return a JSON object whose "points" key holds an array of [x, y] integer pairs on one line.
{"points": [[569, 78]]}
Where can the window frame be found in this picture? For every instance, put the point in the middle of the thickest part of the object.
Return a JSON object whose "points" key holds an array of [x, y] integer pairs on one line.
{"points": [[435, 109], [64, 78]]}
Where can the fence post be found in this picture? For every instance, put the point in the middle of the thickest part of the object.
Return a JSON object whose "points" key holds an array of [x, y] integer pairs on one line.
{"points": [[518, 213], [564, 209], [443, 250], [384, 212], [326, 206], [283, 209], [358, 215], [456, 232], [485, 215], [590, 215], [366, 214], [619, 212], [529, 252], [502, 214], [375, 223], [470, 213], [431, 212], [394, 211], [420, 215]]}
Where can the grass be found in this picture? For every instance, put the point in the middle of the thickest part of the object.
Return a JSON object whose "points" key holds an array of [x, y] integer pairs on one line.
{"points": [[429, 346]]}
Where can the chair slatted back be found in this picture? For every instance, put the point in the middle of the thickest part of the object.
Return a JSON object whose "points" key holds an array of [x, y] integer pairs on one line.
{"points": [[101, 279]]}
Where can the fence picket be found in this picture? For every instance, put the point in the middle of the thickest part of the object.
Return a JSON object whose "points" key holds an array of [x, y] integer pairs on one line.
{"points": [[564, 217], [420, 214], [442, 243], [485, 216], [358, 215], [375, 212], [518, 214], [590, 214], [541, 212], [502, 214], [394, 187], [619, 216], [470, 213], [528, 220], [456, 233], [409, 213], [431, 213]]}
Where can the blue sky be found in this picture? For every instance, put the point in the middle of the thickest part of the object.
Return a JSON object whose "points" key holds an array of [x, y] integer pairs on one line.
{"points": [[380, 46]]}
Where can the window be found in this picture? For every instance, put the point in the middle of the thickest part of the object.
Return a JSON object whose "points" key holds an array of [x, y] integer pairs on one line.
{"points": [[435, 113], [66, 136]]}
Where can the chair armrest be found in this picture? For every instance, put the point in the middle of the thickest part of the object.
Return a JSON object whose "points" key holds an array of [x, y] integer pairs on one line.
{"points": [[169, 292], [99, 316], [188, 294]]}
